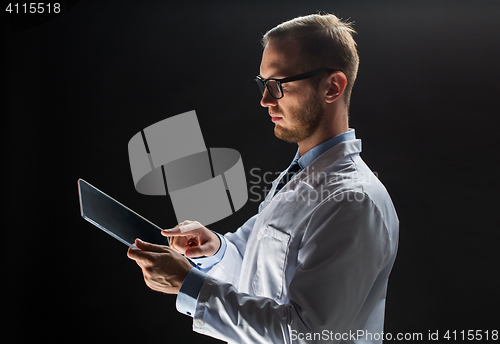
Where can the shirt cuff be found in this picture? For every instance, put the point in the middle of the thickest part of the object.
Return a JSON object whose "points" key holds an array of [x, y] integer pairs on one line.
{"points": [[188, 294], [206, 263], [191, 286]]}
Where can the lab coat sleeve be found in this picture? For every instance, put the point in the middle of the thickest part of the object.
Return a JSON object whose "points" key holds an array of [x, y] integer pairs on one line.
{"points": [[240, 238], [344, 248]]}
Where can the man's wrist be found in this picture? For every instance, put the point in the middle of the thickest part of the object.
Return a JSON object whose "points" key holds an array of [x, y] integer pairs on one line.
{"points": [[206, 263]]}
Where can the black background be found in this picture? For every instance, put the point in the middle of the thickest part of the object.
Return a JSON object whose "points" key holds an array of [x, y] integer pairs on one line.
{"points": [[76, 88]]}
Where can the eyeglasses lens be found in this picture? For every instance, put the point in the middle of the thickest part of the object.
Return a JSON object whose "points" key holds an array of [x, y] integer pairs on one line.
{"points": [[261, 84], [272, 87]]}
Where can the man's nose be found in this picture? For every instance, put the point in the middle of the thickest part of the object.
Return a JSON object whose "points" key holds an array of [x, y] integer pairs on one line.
{"points": [[268, 99]]}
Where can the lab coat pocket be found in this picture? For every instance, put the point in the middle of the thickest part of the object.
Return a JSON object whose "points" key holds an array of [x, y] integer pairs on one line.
{"points": [[272, 257]]}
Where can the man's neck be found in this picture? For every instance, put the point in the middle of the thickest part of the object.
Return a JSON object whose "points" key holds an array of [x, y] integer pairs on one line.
{"points": [[321, 136], [335, 122]]}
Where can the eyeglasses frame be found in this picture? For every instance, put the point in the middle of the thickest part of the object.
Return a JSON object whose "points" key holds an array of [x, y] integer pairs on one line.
{"points": [[279, 82]]}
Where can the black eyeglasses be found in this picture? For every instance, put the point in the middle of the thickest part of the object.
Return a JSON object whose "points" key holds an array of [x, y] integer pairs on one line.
{"points": [[274, 85]]}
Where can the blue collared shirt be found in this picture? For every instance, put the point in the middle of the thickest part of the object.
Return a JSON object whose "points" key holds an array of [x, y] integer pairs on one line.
{"points": [[188, 294]]}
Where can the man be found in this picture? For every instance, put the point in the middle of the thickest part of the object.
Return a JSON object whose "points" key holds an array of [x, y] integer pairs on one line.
{"points": [[313, 264]]}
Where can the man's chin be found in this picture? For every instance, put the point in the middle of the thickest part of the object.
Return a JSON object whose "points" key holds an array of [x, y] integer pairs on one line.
{"points": [[284, 134]]}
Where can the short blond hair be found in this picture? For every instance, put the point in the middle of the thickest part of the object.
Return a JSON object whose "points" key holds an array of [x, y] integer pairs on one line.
{"points": [[325, 42]]}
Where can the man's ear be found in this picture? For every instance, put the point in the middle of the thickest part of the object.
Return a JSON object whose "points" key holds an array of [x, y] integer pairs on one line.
{"points": [[337, 83]]}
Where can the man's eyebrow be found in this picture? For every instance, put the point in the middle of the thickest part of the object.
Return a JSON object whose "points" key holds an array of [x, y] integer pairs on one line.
{"points": [[271, 77]]}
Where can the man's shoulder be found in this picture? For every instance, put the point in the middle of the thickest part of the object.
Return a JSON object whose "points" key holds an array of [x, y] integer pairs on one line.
{"points": [[339, 169], [340, 175]]}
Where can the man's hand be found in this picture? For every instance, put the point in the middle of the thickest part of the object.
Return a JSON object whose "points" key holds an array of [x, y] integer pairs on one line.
{"points": [[192, 239], [164, 269]]}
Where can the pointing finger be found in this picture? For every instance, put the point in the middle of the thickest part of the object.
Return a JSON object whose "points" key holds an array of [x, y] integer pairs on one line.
{"points": [[182, 229]]}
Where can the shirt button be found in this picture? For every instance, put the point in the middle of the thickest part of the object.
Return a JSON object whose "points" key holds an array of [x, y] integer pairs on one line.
{"points": [[259, 235], [198, 323]]}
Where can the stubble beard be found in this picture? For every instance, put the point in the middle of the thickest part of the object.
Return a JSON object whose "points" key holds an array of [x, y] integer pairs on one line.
{"points": [[306, 120]]}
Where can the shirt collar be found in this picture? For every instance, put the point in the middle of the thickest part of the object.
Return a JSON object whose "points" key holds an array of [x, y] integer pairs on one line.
{"points": [[315, 152]]}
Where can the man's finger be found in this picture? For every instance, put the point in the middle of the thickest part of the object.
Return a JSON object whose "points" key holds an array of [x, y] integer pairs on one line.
{"points": [[138, 255], [182, 229], [146, 246], [198, 251], [172, 232], [146, 252]]}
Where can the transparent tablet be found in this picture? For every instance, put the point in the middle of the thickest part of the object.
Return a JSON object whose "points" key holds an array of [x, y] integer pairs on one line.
{"points": [[116, 219]]}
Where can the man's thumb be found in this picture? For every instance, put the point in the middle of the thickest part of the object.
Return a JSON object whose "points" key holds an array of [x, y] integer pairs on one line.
{"points": [[196, 251]]}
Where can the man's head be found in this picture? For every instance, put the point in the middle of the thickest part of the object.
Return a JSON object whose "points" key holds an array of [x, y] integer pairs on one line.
{"points": [[319, 43], [324, 41]]}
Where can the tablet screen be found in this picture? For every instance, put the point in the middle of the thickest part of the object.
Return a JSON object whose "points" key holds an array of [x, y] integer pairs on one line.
{"points": [[116, 219]]}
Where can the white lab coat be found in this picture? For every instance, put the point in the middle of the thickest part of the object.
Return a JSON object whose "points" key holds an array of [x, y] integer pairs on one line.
{"points": [[312, 266]]}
